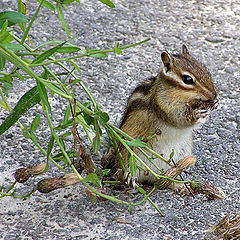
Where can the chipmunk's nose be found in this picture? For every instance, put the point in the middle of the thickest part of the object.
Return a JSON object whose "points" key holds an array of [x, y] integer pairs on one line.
{"points": [[212, 95], [208, 96]]}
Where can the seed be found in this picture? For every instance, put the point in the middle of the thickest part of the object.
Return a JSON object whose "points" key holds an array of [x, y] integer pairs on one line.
{"points": [[50, 184], [23, 174]]}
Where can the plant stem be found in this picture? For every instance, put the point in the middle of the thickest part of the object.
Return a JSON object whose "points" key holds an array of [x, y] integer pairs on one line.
{"points": [[4, 194], [60, 145], [31, 23], [4, 100], [11, 187], [87, 54], [146, 148], [153, 204], [132, 152]]}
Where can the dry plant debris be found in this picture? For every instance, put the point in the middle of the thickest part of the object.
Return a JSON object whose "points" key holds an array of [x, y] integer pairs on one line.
{"points": [[228, 228]]}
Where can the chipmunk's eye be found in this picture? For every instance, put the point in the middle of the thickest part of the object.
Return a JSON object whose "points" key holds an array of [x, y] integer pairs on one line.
{"points": [[187, 79]]}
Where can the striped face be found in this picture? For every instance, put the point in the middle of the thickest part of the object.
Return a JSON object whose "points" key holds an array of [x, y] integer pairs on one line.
{"points": [[178, 95], [183, 72]]}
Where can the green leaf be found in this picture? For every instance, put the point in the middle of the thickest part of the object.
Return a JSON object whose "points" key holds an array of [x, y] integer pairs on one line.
{"points": [[3, 105], [62, 143], [66, 114], [26, 133], [67, 134], [141, 190], [35, 122], [47, 54], [34, 138], [108, 3], [93, 178], [136, 143], [88, 119], [54, 42], [117, 50], [6, 85], [5, 37], [43, 94], [30, 135], [105, 172], [67, 1], [79, 120], [103, 117], [22, 7], [61, 17], [78, 69], [12, 17], [97, 138], [64, 125], [53, 86], [27, 101], [96, 54], [171, 154], [50, 146], [68, 49], [96, 143], [60, 156], [2, 63], [132, 165], [7, 78], [4, 26], [14, 46], [93, 199], [47, 4]]}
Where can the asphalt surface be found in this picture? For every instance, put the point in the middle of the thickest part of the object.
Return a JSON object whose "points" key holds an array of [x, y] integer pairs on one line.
{"points": [[211, 30]]}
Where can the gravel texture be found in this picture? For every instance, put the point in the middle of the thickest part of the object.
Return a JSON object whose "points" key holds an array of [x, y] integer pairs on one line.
{"points": [[211, 30]]}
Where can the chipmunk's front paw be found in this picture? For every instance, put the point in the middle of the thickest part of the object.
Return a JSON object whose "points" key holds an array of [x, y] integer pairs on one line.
{"points": [[201, 115], [197, 115], [199, 111], [129, 179]]}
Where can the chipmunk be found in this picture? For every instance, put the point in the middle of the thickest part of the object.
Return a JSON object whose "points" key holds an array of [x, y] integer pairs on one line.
{"points": [[168, 106]]}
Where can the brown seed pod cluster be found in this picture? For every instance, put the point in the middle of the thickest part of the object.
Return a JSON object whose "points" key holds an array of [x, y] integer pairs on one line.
{"points": [[210, 191], [50, 184], [23, 174], [173, 172]]}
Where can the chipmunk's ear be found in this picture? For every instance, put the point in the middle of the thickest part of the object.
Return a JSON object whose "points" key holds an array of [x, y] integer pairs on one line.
{"points": [[167, 60], [184, 49]]}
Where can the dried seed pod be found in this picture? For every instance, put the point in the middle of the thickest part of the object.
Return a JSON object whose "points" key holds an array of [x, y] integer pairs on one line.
{"points": [[23, 174], [173, 172], [50, 184], [211, 192]]}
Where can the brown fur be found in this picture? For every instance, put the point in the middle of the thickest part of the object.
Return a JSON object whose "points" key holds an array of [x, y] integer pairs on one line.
{"points": [[164, 99]]}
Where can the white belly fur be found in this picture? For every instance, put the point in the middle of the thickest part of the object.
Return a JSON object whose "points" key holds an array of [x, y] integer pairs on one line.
{"points": [[171, 138]]}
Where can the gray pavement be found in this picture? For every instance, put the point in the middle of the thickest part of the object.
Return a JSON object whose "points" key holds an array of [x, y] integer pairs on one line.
{"points": [[211, 30]]}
